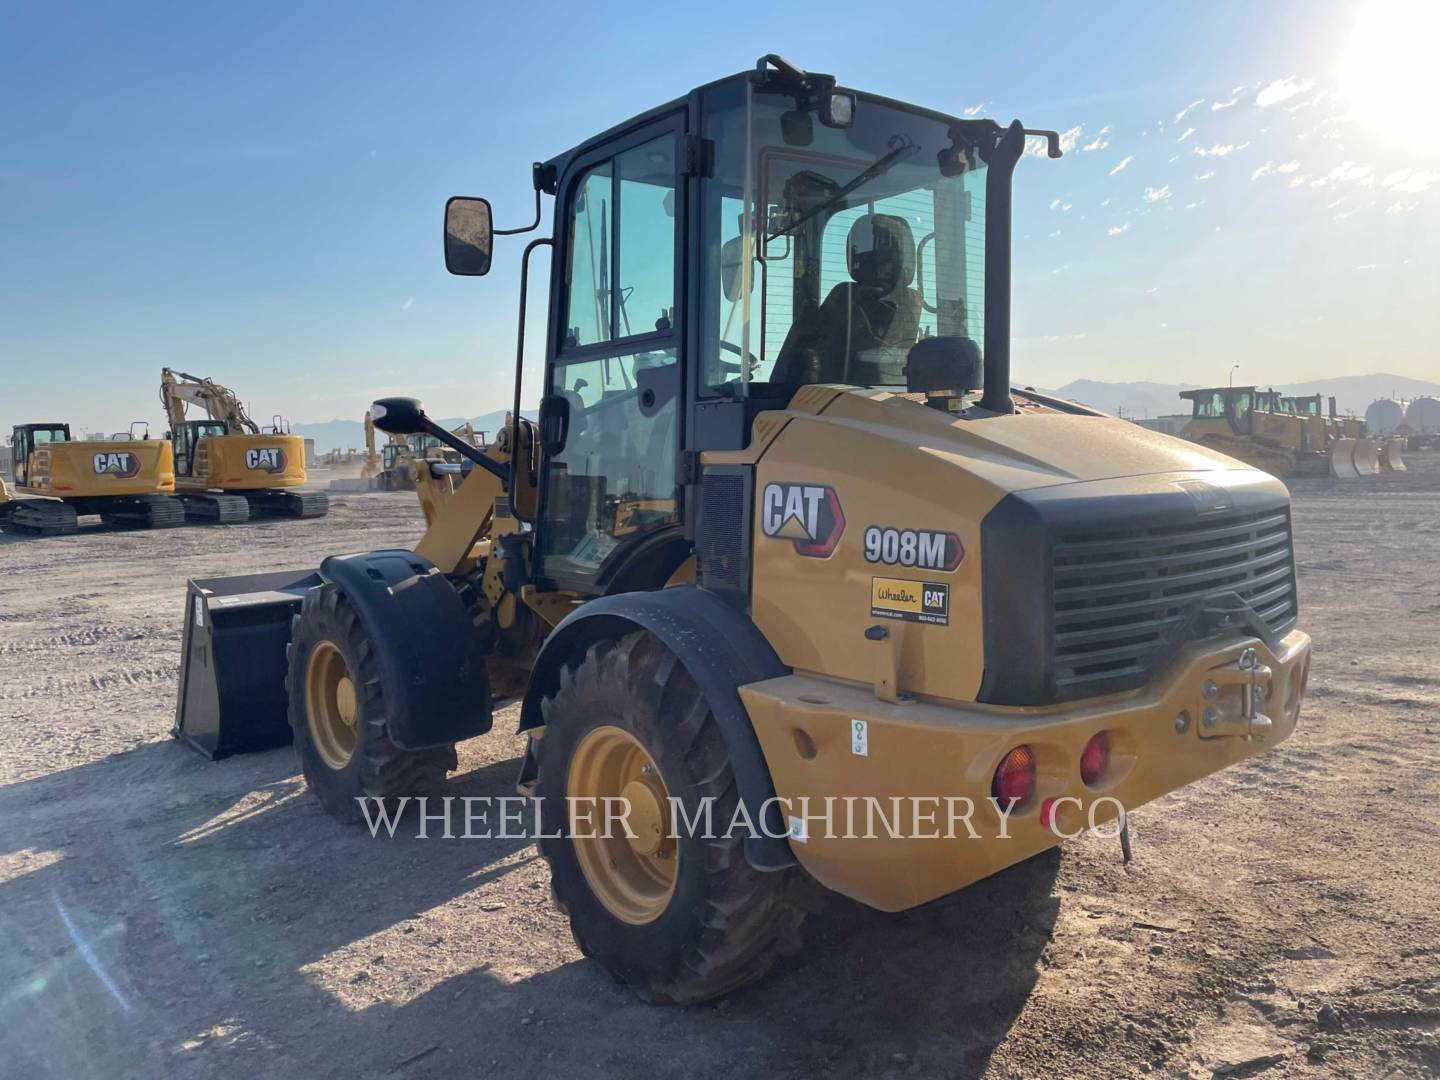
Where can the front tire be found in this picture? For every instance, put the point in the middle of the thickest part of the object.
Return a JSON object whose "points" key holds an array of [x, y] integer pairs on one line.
{"points": [[338, 713], [678, 917]]}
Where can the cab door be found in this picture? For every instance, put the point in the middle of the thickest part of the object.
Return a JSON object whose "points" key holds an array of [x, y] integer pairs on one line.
{"points": [[614, 359], [19, 453]]}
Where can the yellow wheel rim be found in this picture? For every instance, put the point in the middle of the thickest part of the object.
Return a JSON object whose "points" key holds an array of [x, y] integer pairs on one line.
{"points": [[331, 707], [633, 870]]}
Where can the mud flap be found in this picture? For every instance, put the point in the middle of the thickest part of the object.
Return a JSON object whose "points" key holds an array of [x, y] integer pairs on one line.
{"points": [[232, 671], [1392, 455], [1342, 459], [1367, 457]]}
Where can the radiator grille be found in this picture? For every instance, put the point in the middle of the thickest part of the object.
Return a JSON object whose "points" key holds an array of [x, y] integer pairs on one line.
{"points": [[721, 548], [1120, 596]]}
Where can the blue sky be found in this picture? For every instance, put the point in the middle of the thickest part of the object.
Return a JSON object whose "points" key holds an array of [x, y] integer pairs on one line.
{"points": [[253, 191]]}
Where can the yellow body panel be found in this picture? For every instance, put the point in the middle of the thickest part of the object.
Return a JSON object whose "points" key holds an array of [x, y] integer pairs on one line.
{"points": [[898, 456], [95, 469], [932, 757], [246, 463]]}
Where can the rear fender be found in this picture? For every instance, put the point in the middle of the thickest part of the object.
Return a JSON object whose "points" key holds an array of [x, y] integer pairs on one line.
{"points": [[430, 655], [720, 648]]}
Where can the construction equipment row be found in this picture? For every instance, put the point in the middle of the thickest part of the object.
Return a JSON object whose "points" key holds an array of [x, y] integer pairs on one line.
{"points": [[222, 469], [1288, 435]]}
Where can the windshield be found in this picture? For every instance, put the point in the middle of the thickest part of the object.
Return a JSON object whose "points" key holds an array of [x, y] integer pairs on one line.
{"points": [[832, 251]]}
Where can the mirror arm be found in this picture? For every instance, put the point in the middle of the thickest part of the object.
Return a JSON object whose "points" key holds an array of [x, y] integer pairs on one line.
{"points": [[528, 228]]}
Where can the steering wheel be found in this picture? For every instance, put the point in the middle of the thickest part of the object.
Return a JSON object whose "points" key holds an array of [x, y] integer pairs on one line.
{"points": [[733, 368]]}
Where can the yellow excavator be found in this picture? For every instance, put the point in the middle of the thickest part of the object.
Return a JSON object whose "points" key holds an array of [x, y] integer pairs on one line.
{"points": [[784, 544], [127, 480], [226, 468]]}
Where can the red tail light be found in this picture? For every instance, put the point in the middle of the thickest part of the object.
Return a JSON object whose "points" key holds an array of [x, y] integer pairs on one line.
{"points": [[1095, 758], [1014, 781]]}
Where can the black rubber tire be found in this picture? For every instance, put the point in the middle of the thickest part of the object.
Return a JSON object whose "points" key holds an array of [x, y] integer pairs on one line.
{"points": [[726, 923], [378, 768]]}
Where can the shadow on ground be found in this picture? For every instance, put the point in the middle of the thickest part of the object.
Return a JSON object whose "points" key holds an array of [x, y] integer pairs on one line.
{"points": [[160, 914]]}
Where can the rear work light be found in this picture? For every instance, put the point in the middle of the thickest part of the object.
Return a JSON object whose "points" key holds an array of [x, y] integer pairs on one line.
{"points": [[1014, 781], [1095, 758]]}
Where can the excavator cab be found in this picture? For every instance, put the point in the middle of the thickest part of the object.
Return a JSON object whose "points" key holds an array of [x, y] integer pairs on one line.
{"points": [[186, 439], [25, 438]]}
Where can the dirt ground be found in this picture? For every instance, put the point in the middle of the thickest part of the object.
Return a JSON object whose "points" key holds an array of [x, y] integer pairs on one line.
{"points": [[162, 915]]}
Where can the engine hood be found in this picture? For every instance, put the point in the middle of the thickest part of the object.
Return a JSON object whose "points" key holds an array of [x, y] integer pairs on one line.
{"points": [[1031, 449]]}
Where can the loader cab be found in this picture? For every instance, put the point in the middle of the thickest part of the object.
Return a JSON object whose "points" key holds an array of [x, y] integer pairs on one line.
{"points": [[714, 255], [26, 438], [1234, 404], [186, 441]]}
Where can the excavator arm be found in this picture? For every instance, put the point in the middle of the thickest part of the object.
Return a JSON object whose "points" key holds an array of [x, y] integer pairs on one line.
{"points": [[179, 390]]}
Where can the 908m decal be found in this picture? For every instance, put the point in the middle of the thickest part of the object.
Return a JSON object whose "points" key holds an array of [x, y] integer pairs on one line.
{"points": [[922, 548]]}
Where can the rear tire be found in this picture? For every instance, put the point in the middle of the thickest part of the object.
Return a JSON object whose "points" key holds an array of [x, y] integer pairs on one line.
{"points": [[341, 741], [722, 923]]}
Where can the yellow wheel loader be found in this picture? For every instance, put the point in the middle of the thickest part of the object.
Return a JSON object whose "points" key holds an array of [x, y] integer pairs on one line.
{"points": [[226, 468], [783, 552], [128, 480]]}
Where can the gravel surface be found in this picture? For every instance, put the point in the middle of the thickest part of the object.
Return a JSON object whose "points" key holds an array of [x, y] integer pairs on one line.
{"points": [[162, 915]]}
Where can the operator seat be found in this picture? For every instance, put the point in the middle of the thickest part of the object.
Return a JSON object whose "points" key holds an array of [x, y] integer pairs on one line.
{"points": [[862, 320]]}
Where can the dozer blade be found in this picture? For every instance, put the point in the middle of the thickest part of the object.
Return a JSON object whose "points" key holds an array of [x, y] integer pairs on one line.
{"points": [[232, 697], [1367, 457], [1342, 459], [1392, 455]]}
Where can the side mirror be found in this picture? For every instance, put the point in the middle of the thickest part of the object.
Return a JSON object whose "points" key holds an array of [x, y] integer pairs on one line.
{"points": [[399, 415], [469, 236], [554, 423], [732, 257]]}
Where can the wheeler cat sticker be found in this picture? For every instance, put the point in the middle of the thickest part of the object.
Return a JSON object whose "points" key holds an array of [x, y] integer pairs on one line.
{"points": [[808, 515], [269, 459], [910, 601], [922, 548], [120, 464]]}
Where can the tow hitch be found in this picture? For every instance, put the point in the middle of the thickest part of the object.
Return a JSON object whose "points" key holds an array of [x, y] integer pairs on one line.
{"points": [[1233, 695]]}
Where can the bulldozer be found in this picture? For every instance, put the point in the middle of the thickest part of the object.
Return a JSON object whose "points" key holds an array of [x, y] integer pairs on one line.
{"points": [[782, 540], [127, 480], [1261, 427], [226, 468]]}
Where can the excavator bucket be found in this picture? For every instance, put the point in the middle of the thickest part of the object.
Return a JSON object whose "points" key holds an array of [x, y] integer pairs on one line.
{"points": [[1392, 455], [1342, 459], [1367, 457], [232, 673]]}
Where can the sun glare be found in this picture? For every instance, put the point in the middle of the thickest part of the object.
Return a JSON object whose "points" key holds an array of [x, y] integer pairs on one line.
{"points": [[1390, 74]]}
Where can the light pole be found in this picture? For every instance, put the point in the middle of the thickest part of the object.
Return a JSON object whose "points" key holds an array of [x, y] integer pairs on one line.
{"points": [[1232, 375]]}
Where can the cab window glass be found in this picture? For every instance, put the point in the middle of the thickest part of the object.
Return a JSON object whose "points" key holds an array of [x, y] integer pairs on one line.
{"points": [[647, 237], [620, 259], [587, 265], [615, 477]]}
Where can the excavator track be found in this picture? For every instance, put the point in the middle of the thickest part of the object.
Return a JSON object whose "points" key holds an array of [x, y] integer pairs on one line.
{"points": [[145, 512], [300, 504], [43, 517], [217, 509]]}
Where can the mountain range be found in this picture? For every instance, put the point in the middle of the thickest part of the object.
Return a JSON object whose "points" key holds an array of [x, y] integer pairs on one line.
{"points": [[1135, 400]]}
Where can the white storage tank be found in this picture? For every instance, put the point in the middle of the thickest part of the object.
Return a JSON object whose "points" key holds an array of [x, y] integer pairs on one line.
{"points": [[1383, 416], [1423, 416]]}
